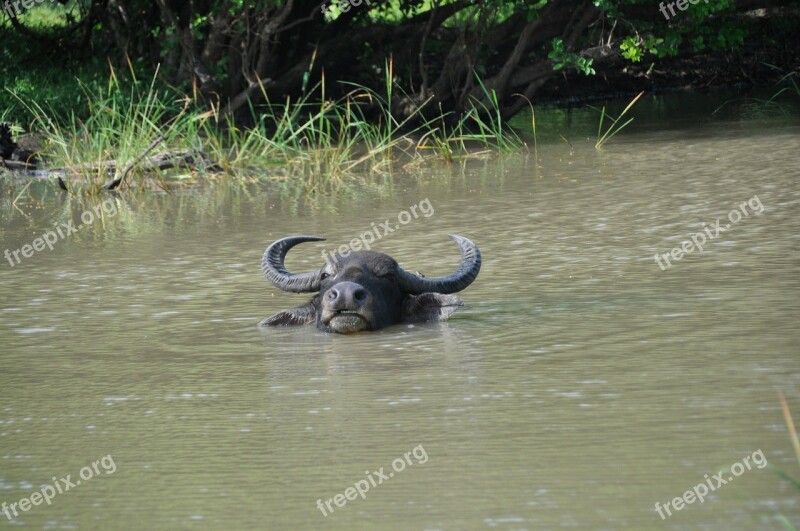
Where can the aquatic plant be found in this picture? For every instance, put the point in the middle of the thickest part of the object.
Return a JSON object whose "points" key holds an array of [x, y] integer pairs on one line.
{"points": [[787, 415], [614, 128], [788, 84]]}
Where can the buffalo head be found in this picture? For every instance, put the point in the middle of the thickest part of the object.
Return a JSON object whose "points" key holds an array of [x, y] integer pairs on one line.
{"points": [[366, 290]]}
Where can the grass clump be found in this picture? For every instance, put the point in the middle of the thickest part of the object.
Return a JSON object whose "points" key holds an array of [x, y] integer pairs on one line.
{"points": [[316, 139], [122, 121], [789, 89], [614, 128]]}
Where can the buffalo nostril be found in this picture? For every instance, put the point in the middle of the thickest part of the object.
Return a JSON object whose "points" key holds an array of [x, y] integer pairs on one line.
{"points": [[346, 296]]}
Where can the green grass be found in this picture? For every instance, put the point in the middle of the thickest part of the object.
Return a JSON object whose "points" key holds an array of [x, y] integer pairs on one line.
{"points": [[48, 14], [123, 119], [87, 113], [615, 127], [315, 139], [36, 69], [789, 89]]}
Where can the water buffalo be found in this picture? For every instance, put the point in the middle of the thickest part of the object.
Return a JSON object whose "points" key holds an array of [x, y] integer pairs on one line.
{"points": [[366, 290]]}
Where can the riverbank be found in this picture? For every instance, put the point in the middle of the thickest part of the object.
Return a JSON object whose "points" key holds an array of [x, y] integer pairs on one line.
{"points": [[130, 130]]}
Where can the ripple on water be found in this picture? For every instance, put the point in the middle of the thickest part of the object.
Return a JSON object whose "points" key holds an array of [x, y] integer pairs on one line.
{"points": [[34, 330]]}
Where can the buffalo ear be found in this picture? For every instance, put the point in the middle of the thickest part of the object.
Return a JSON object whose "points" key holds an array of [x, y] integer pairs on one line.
{"points": [[293, 317], [429, 307]]}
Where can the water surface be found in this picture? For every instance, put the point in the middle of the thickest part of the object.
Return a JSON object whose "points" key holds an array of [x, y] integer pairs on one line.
{"points": [[580, 384]]}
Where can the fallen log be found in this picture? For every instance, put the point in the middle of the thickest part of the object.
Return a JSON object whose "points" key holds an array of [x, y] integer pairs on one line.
{"points": [[190, 159], [121, 176], [17, 165]]}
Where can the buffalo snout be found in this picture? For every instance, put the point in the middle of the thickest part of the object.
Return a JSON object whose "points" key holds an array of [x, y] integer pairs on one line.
{"points": [[346, 296], [347, 307]]}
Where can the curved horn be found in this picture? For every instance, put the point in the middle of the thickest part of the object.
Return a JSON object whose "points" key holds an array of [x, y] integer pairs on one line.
{"points": [[273, 268], [463, 277]]}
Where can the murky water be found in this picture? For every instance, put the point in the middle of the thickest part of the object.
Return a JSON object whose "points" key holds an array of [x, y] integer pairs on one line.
{"points": [[580, 384]]}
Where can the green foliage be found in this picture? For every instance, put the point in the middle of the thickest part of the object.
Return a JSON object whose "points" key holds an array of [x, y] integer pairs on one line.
{"points": [[666, 46], [31, 70], [693, 27], [701, 10], [45, 68], [698, 43], [46, 15], [533, 9], [729, 36], [632, 49], [563, 59]]}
